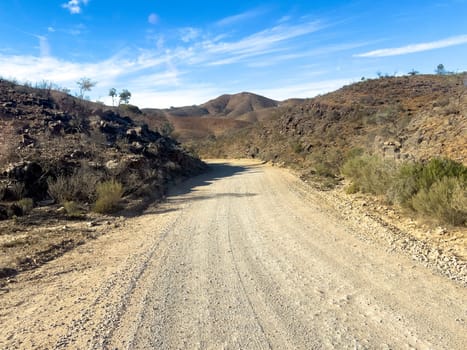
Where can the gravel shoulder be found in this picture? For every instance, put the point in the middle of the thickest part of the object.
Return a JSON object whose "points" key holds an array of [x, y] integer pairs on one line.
{"points": [[246, 256]]}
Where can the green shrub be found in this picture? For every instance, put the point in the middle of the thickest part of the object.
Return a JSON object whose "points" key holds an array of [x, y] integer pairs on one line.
{"points": [[445, 200], [26, 205], [436, 188], [326, 164], [406, 184], [72, 209], [296, 147], [438, 168], [109, 194], [353, 152], [414, 177], [370, 174]]}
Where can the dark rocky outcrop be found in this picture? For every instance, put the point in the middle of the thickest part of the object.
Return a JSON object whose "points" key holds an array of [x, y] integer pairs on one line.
{"points": [[46, 134]]}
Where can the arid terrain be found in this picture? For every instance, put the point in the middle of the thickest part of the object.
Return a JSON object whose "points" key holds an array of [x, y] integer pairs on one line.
{"points": [[55, 150], [276, 245], [245, 256]]}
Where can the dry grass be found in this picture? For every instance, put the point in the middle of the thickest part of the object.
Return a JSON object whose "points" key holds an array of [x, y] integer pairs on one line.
{"points": [[79, 186], [109, 194]]}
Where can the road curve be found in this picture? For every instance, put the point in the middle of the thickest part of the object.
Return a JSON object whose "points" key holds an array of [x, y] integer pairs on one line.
{"points": [[243, 257]]}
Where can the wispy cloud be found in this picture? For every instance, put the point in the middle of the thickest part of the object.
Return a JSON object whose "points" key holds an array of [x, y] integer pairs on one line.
{"points": [[304, 90], [165, 74], [413, 48], [44, 46], [271, 61], [265, 41], [186, 95], [227, 21], [75, 6], [189, 34]]}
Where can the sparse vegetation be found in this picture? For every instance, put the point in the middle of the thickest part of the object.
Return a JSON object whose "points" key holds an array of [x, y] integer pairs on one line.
{"points": [[445, 200], [370, 174], [437, 188], [72, 209], [109, 194], [56, 146], [124, 96], [113, 94], [85, 84], [79, 186], [17, 190], [440, 70], [26, 205]]}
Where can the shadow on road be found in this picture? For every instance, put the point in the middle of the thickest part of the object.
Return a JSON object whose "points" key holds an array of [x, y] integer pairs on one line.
{"points": [[181, 191], [215, 172]]}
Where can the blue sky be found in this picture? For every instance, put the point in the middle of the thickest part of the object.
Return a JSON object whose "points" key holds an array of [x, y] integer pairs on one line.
{"points": [[176, 53]]}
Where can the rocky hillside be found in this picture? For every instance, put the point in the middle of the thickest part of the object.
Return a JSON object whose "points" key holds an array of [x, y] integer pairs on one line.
{"points": [[210, 119], [233, 106], [48, 136], [410, 117]]}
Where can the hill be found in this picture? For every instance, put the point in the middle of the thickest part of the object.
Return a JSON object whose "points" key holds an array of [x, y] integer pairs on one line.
{"points": [[233, 106], [410, 117], [403, 139], [224, 113]]}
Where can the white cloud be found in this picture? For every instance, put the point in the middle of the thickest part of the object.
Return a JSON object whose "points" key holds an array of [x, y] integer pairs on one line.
{"points": [[189, 34], [413, 48], [51, 29], [270, 61], [74, 6], [304, 90], [164, 76], [186, 96], [153, 18], [240, 17], [44, 46], [267, 41]]}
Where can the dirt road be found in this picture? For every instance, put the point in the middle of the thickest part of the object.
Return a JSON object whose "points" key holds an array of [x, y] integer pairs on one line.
{"points": [[244, 257]]}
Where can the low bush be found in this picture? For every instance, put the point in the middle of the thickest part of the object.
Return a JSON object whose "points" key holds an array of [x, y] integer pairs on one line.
{"points": [[406, 184], [72, 209], [370, 174], [326, 164], [26, 205], [437, 188], [438, 168], [109, 194], [79, 186], [445, 200]]}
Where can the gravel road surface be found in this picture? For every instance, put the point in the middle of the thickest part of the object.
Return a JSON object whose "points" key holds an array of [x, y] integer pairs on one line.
{"points": [[244, 257]]}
